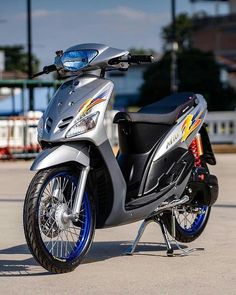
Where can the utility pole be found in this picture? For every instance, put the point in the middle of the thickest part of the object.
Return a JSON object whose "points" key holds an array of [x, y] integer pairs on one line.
{"points": [[173, 74], [29, 53]]}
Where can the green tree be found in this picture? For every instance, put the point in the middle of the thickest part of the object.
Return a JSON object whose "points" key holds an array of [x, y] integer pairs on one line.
{"points": [[184, 29], [197, 71], [16, 59]]}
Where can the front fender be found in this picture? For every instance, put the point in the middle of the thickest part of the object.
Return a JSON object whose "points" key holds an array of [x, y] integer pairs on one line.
{"points": [[68, 152]]}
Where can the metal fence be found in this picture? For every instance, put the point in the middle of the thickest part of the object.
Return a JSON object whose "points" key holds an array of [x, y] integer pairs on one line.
{"points": [[222, 127], [18, 135]]}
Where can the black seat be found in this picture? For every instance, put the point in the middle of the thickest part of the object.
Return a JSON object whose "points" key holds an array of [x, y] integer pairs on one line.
{"points": [[164, 111]]}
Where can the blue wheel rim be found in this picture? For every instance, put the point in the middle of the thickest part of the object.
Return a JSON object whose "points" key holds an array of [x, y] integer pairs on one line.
{"points": [[193, 225], [76, 238], [85, 230]]}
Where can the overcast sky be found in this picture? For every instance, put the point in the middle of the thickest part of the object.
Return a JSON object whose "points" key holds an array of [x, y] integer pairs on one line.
{"points": [[58, 24]]}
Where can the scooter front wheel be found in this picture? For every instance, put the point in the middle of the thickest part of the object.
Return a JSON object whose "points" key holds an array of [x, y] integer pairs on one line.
{"points": [[58, 244]]}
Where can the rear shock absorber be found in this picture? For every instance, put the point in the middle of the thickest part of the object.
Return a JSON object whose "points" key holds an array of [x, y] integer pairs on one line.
{"points": [[197, 150]]}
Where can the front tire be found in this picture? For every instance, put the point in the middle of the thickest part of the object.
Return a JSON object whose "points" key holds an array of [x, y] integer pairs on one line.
{"points": [[58, 245]]}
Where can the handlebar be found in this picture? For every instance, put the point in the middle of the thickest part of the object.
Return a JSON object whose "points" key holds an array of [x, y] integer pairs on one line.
{"points": [[49, 69], [46, 70], [136, 59], [140, 58]]}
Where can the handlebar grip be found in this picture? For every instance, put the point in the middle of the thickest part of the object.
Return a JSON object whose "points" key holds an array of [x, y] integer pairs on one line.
{"points": [[37, 74], [46, 70], [140, 58], [49, 69]]}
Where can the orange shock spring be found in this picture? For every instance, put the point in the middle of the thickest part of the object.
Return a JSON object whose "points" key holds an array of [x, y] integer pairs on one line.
{"points": [[196, 149]]}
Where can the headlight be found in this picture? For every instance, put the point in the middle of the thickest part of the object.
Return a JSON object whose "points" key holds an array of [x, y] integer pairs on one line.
{"points": [[83, 125], [77, 59], [40, 127]]}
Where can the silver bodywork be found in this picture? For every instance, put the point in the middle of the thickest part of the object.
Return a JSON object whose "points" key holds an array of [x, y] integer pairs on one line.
{"points": [[66, 104], [176, 132], [105, 53], [64, 110], [68, 152]]}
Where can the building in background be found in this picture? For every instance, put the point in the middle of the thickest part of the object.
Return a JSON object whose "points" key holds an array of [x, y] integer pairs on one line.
{"points": [[218, 34], [232, 5]]}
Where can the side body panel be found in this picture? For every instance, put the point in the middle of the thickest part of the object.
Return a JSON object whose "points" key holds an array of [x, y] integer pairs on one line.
{"points": [[119, 215], [173, 177], [178, 138], [185, 129]]}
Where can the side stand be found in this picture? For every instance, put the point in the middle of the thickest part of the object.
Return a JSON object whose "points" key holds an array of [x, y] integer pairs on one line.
{"points": [[170, 251]]}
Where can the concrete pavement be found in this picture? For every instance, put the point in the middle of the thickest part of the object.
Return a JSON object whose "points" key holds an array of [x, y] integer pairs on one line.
{"points": [[106, 270]]}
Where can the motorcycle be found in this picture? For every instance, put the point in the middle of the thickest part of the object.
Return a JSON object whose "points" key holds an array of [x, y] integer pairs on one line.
{"points": [[159, 174]]}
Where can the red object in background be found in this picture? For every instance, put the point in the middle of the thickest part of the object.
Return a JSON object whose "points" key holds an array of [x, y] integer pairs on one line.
{"points": [[5, 153], [13, 150]]}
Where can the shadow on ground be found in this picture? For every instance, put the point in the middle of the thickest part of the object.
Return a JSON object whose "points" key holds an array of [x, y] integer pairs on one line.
{"points": [[99, 251]]}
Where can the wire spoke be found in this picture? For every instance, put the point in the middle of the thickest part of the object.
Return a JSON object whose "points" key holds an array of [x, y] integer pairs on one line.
{"points": [[72, 196], [77, 234], [188, 216], [61, 238]]}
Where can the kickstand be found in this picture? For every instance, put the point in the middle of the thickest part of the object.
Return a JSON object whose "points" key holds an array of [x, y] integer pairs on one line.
{"points": [[168, 240], [139, 235]]}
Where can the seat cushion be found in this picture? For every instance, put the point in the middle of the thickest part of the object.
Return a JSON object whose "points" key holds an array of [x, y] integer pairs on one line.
{"points": [[164, 111], [145, 118]]}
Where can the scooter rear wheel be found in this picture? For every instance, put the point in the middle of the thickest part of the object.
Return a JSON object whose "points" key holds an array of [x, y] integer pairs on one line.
{"points": [[59, 245], [190, 222]]}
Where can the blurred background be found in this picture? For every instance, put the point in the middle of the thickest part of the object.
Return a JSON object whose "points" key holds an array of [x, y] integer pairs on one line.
{"points": [[194, 41]]}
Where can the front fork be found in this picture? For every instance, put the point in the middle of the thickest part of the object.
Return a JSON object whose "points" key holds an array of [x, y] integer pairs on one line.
{"points": [[74, 216]]}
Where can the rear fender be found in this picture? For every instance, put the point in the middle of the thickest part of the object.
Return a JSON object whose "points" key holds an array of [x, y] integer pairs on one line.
{"points": [[65, 153], [208, 154]]}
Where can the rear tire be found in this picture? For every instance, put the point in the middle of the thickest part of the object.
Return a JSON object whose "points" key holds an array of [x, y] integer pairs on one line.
{"points": [[57, 245], [187, 234]]}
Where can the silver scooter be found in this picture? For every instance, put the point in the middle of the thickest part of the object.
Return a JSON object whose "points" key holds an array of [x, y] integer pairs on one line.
{"points": [[159, 175]]}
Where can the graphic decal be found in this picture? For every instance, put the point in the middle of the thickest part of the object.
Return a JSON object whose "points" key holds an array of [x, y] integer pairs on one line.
{"points": [[173, 139], [190, 124], [91, 102]]}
